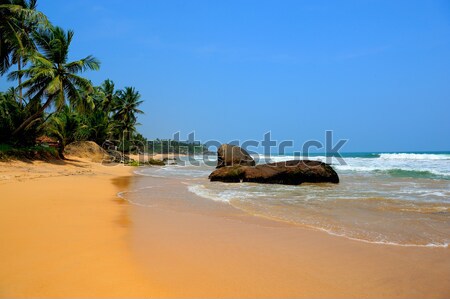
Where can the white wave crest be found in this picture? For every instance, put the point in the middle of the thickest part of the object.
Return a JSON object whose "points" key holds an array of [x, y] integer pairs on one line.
{"points": [[410, 156], [274, 158], [204, 192]]}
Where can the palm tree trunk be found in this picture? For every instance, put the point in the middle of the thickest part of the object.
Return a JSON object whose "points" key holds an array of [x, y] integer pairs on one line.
{"points": [[19, 68], [61, 149]]}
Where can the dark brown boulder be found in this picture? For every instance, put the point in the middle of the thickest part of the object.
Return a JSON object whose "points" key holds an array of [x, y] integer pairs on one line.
{"points": [[232, 155], [292, 172]]}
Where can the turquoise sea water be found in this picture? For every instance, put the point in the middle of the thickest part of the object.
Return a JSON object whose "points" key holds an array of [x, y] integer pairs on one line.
{"points": [[389, 198], [435, 165]]}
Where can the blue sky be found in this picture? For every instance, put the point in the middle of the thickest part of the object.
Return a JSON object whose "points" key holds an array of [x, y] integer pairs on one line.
{"points": [[374, 72]]}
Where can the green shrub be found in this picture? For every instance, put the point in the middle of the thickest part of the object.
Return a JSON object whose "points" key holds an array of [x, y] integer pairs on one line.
{"points": [[37, 152], [133, 163]]}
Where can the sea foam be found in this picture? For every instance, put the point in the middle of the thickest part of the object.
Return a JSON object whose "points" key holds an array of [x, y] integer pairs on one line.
{"points": [[412, 156]]}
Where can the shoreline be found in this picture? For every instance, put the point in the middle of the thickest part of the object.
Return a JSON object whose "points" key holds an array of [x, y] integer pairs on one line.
{"points": [[208, 248], [66, 233]]}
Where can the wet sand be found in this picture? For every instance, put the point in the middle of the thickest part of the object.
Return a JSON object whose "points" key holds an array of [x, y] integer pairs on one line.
{"points": [[64, 233], [194, 247]]}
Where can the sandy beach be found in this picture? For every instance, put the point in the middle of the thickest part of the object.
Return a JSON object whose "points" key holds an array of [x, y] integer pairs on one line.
{"points": [[209, 249], [218, 149], [65, 233]]}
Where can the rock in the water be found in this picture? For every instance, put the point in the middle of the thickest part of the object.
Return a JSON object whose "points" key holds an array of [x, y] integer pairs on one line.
{"points": [[232, 155], [292, 172]]}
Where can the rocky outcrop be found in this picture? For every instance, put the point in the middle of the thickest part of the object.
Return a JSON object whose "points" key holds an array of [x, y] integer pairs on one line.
{"points": [[117, 157], [293, 172], [95, 153], [233, 155], [86, 149]]}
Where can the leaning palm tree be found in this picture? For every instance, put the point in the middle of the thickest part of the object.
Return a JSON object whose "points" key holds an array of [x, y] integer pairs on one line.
{"points": [[127, 108], [51, 77], [18, 20]]}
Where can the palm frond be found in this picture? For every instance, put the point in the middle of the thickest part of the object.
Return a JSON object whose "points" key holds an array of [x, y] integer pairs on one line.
{"points": [[87, 63]]}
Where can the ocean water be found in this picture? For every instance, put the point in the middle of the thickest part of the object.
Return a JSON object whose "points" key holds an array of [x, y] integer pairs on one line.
{"points": [[400, 199]]}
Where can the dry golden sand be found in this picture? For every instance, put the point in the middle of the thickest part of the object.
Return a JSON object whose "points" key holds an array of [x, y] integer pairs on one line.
{"points": [[64, 233]]}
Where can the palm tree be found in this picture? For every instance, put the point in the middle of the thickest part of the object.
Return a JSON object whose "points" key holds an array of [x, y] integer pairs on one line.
{"points": [[51, 76], [9, 111], [13, 113], [65, 126], [126, 110], [96, 126], [18, 20], [110, 95]]}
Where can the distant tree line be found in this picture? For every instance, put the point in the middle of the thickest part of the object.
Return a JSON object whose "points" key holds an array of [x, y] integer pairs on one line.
{"points": [[176, 147]]}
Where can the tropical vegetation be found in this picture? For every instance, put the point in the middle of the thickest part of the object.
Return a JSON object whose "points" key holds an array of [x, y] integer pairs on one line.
{"points": [[50, 96]]}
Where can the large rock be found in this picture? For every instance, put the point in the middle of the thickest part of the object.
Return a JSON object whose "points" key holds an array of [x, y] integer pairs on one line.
{"points": [[117, 157], [86, 149], [232, 155], [95, 153], [292, 172]]}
